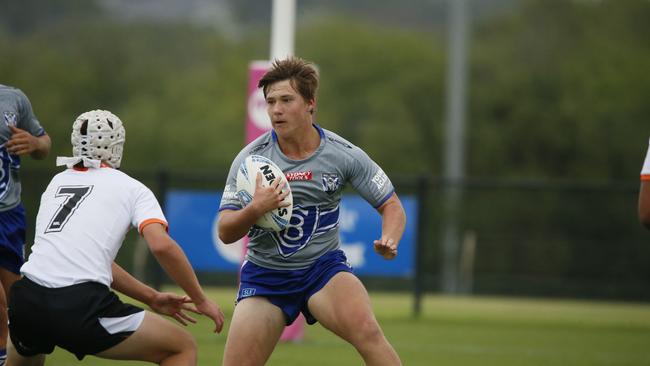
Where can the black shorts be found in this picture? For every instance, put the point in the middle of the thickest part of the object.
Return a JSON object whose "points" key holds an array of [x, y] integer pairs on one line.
{"points": [[84, 319]]}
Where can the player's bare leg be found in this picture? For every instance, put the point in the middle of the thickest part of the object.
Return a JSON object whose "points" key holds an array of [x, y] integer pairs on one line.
{"points": [[7, 278], [15, 359], [157, 340], [255, 329], [343, 307], [4, 331]]}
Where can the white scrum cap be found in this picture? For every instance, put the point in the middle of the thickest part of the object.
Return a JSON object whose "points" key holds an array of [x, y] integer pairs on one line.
{"points": [[99, 135]]}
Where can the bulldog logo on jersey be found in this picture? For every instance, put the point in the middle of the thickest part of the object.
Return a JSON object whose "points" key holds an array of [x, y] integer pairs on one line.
{"points": [[10, 118], [331, 182]]}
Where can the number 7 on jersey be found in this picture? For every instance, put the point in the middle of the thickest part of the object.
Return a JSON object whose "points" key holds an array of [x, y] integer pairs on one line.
{"points": [[74, 196]]}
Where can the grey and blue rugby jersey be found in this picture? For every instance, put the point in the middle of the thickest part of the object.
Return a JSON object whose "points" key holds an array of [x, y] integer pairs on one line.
{"points": [[15, 110], [316, 185]]}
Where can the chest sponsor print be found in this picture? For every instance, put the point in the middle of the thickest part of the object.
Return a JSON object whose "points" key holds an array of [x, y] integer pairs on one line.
{"points": [[295, 176]]}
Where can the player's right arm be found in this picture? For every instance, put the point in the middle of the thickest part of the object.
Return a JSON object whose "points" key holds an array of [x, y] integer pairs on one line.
{"points": [[28, 137], [176, 265], [24, 143], [234, 224]]}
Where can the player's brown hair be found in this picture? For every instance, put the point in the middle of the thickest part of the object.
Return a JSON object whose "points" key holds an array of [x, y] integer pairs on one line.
{"points": [[301, 74]]}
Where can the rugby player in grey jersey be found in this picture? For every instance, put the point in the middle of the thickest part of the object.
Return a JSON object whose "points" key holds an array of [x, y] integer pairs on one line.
{"points": [[21, 134], [302, 269]]}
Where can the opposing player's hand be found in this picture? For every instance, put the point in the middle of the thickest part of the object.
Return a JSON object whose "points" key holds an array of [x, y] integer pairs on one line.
{"points": [[174, 306], [21, 142], [386, 247], [271, 197], [212, 311]]}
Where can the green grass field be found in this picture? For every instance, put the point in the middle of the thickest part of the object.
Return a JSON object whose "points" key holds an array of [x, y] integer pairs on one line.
{"points": [[460, 331]]}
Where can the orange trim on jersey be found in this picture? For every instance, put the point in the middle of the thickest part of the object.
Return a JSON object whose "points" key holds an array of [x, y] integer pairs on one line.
{"points": [[83, 169], [152, 221], [645, 177]]}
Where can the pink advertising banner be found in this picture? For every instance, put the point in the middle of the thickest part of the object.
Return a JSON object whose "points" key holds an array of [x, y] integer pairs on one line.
{"points": [[257, 120]]}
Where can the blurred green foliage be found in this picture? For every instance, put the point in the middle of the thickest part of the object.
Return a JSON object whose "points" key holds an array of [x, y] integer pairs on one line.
{"points": [[181, 90], [557, 91], [557, 88]]}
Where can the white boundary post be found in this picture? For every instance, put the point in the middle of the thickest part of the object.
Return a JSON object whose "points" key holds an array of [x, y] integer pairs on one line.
{"points": [[283, 23]]}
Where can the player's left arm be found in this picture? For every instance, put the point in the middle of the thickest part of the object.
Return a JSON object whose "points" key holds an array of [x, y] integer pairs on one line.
{"points": [[164, 303], [22, 143], [393, 221]]}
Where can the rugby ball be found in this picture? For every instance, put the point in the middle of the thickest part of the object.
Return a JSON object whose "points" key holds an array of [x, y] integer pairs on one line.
{"points": [[277, 219]]}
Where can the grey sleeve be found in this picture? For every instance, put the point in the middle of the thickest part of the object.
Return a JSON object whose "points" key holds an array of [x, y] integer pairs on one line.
{"points": [[229, 199], [369, 180], [28, 121]]}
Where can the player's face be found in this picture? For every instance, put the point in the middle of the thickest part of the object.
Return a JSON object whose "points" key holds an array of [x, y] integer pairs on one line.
{"points": [[288, 110]]}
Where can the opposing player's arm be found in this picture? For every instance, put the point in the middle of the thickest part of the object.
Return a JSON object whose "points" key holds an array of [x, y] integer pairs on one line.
{"points": [[644, 203], [393, 221], [23, 143], [175, 263], [161, 302], [130, 286], [234, 224]]}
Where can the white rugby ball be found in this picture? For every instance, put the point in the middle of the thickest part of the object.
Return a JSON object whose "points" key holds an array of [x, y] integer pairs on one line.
{"points": [[277, 219]]}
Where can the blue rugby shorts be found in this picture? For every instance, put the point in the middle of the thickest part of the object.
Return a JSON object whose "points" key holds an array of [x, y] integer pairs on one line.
{"points": [[12, 238], [291, 289]]}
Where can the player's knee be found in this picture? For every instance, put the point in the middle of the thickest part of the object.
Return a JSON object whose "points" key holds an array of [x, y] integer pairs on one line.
{"points": [[184, 346], [367, 331], [187, 342]]}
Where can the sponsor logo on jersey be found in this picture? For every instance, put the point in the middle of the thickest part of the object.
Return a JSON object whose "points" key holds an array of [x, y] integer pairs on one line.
{"points": [[10, 118], [293, 176], [380, 179], [331, 182]]}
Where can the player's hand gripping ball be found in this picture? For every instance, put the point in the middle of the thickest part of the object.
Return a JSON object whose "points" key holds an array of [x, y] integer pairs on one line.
{"points": [[276, 219]]}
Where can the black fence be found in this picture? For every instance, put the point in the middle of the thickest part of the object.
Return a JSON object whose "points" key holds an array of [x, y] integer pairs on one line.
{"points": [[499, 237]]}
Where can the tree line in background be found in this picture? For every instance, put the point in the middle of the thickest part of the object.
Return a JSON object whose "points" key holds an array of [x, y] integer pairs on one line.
{"points": [[557, 90]]}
